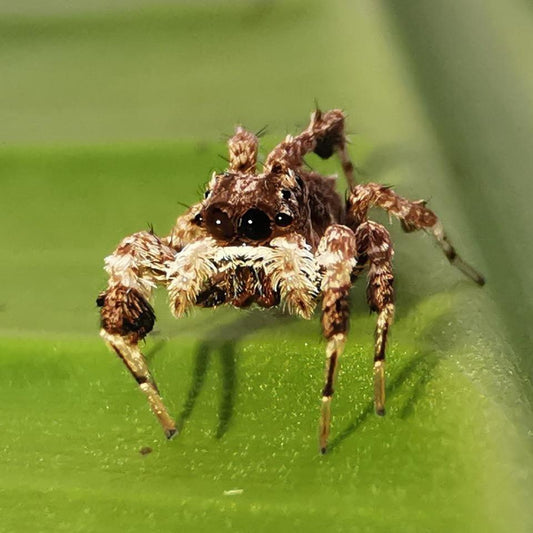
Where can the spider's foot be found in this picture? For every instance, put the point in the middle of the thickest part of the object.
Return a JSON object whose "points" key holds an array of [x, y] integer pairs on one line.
{"points": [[130, 354], [379, 387], [171, 433], [325, 422], [468, 270]]}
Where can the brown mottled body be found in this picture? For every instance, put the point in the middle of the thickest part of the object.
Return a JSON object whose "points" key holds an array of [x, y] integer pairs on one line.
{"points": [[278, 237]]}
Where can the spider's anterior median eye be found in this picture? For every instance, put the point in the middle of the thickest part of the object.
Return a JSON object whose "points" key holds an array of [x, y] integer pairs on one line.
{"points": [[255, 225], [218, 223], [282, 219]]}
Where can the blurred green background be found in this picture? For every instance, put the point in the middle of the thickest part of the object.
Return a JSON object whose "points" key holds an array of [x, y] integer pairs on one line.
{"points": [[114, 113]]}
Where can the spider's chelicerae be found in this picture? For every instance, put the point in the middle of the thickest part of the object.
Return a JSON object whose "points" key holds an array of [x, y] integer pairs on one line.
{"points": [[278, 236]]}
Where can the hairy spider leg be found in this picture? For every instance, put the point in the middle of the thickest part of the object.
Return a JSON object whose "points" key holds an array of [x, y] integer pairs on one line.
{"points": [[242, 149], [347, 165], [324, 136], [336, 256], [374, 251], [136, 363], [453, 256], [186, 229], [137, 265], [412, 215]]}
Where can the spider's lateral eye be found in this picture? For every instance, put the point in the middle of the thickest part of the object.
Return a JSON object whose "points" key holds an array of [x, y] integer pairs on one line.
{"points": [[207, 193], [198, 219], [300, 181], [286, 194], [282, 219], [276, 168]]}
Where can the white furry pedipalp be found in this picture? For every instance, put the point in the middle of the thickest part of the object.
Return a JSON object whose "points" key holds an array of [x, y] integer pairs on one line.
{"points": [[289, 265]]}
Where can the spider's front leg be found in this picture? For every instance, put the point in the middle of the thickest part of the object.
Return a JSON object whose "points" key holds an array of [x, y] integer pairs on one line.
{"points": [[138, 264], [336, 256], [374, 250]]}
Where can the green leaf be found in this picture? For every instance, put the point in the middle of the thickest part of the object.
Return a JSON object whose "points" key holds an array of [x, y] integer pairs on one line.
{"points": [[438, 106]]}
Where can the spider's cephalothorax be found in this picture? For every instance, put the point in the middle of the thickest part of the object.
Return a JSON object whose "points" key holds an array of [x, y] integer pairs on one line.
{"points": [[254, 209], [281, 236]]}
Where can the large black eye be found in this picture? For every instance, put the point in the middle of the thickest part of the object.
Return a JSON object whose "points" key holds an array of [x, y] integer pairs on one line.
{"points": [[282, 219], [218, 223], [255, 225]]}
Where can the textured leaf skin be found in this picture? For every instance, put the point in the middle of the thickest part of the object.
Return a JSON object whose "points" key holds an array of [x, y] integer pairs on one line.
{"points": [[454, 451]]}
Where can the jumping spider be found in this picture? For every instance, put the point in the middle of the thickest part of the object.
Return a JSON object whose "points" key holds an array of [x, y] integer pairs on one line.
{"points": [[281, 236]]}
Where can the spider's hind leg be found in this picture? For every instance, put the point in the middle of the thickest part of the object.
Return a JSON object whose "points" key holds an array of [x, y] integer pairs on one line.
{"points": [[136, 266], [329, 131], [374, 248], [325, 135], [412, 215]]}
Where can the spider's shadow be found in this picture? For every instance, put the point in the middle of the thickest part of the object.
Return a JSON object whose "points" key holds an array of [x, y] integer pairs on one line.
{"points": [[222, 341], [418, 371], [422, 368], [203, 356]]}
